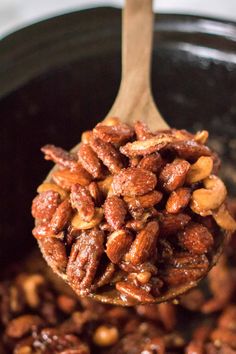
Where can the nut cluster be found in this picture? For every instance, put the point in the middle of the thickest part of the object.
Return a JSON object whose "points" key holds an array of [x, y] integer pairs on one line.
{"points": [[133, 210]]}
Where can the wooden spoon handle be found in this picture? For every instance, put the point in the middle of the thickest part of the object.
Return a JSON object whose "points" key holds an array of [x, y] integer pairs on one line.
{"points": [[137, 34]]}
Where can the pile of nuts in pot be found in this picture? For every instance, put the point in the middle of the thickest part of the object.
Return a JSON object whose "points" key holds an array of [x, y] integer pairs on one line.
{"points": [[133, 210]]}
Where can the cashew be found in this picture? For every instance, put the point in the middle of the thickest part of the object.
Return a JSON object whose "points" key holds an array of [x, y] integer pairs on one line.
{"points": [[205, 200], [224, 219], [80, 224], [200, 170], [52, 187], [201, 137], [105, 185]]}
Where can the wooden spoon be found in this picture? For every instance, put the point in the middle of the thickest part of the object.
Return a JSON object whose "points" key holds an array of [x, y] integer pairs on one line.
{"points": [[135, 102]]}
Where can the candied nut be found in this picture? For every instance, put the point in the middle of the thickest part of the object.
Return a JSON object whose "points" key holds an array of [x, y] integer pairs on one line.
{"points": [[223, 218], [174, 174], [144, 277], [200, 170], [133, 181], [185, 268], [118, 244], [54, 252], [105, 336], [84, 259], [115, 211], [144, 245], [66, 303], [60, 156], [31, 285], [86, 136], [211, 197], [89, 160], [111, 121], [201, 136], [82, 201], [147, 146], [223, 335], [115, 134], [66, 178], [44, 187], [172, 223], [167, 315], [144, 201], [20, 326], [142, 132], [42, 231], [196, 238], [189, 149], [80, 224], [227, 319], [153, 162], [95, 193], [108, 154], [134, 292], [61, 217], [45, 204], [106, 277], [178, 200], [105, 185]]}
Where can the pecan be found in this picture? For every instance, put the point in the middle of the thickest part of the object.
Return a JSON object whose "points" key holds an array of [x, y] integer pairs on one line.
{"points": [[89, 160], [54, 252], [142, 132], [95, 193], [115, 134], [22, 325], [118, 244], [60, 156], [190, 149], [84, 260], [153, 163], [196, 238], [144, 201], [115, 211], [45, 205], [61, 217], [171, 224], [82, 201], [185, 268], [147, 146], [133, 181], [108, 154], [41, 231], [80, 224], [174, 174], [144, 245], [66, 178], [178, 200], [134, 292]]}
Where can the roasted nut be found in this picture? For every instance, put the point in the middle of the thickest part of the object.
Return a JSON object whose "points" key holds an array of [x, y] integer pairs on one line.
{"points": [[118, 244], [190, 149], [45, 205], [111, 121], [66, 178], [95, 193], [108, 154], [224, 219], [144, 245], [84, 260], [44, 187], [196, 238], [31, 285], [105, 185], [61, 217], [115, 211], [80, 224], [142, 132], [200, 170], [89, 160], [60, 156], [133, 181], [115, 134], [106, 277], [86, 136], [22, 325], [153, 162], [178, 200], [211, 197], [54, 252], [174, 174], [201, 136], [147, 146], [171, 223], [134, 292], [144, 201], [82, 201], [105, 336]]}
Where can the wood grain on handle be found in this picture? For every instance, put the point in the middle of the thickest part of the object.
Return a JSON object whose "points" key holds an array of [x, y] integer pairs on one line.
{"points": [[134, 101]]}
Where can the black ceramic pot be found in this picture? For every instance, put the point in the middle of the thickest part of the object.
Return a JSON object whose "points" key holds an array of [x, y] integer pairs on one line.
{"points": [[60, 76]]}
